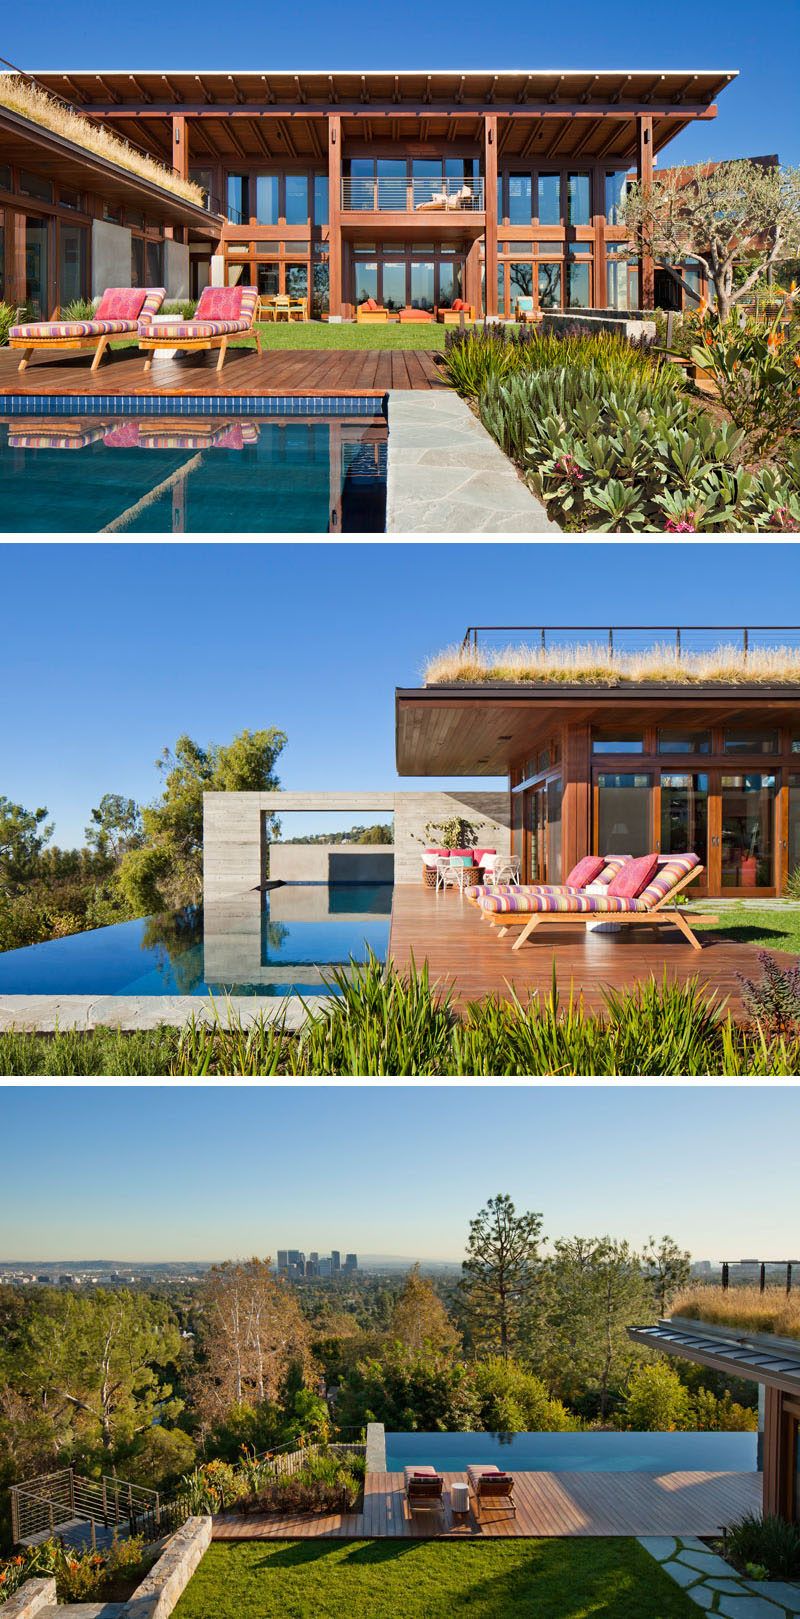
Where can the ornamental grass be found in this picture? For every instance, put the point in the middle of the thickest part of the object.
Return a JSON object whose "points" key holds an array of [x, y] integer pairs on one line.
{"points": [[591, 664], [773, 1311]]}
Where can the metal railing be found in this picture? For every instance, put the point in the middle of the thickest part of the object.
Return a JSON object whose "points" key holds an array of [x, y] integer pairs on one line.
{"points": [[407, 196], [47, 1504], [762, 1266], [631, 638]]}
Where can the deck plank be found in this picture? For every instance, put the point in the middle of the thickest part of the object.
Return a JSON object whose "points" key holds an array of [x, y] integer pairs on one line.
{"points": [[277, 371]]}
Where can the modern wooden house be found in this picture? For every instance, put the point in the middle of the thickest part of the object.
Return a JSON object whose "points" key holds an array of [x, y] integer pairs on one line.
{"points": [[624, 767], [762, 1358], [409, 188]]}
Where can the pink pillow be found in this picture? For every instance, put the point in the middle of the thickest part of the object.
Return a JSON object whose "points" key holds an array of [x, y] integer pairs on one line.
{"points": [[586, 870], [634, 877], [458, 303], [121, 303], [219, 303]]}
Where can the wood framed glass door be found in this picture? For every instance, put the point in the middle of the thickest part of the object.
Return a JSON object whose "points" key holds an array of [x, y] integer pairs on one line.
{"points": [[743, 831], [542, 822]]}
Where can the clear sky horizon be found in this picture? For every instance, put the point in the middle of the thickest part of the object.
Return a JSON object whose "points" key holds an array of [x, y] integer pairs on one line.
{"points": [[114, 649], [758, 114], [183, 1172]]}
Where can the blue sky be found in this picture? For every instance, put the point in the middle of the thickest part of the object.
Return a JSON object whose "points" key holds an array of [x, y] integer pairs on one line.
{"points": [[757, 115], [113, 649], [224, 1161]]}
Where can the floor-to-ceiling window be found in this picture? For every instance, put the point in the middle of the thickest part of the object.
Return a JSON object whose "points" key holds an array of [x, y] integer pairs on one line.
{"points": [[748, 829], [422, 284], [72, 262], [624, 802], [793, 830], [684, 814], [37, 266]]}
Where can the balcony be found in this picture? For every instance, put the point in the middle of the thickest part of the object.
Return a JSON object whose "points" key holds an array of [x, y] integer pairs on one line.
{"points": [[411, 196]]}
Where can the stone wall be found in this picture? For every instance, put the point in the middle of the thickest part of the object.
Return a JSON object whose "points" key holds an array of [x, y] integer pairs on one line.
{"points": [[159, 1591], [111, 256], [176, 269], [30, 1599], [331, 862], [623, 322]]}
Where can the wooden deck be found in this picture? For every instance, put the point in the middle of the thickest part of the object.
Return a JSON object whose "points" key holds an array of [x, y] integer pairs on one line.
{"points": [[277, 371], [548, 1504], [463, 950]]}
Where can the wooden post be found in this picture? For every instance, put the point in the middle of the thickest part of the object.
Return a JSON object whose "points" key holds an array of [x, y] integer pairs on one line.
{"points": [[644, 174], [334, 214], [490, 200], [600, 288], [576, 781], [472, 275], [180, 147]]}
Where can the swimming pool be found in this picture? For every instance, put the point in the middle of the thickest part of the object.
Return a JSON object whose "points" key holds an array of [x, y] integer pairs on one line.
{"points": [[275, 950], [575, 1452], [237, 474]]}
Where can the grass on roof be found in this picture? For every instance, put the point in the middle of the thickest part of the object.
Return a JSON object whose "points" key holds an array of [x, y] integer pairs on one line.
{"points": [[747, 1307], [590, 665], [31, 102], [428, 1579]]}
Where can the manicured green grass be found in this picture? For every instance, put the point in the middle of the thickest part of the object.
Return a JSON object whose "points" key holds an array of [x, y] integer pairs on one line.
{"points": [[317, 334], [768, 930], [427, 1579]]}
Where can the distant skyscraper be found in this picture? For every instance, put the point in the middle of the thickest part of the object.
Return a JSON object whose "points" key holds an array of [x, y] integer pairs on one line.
{"points": [[336, 1261], [351, 1262], [283, 1259], [325, 1266]]}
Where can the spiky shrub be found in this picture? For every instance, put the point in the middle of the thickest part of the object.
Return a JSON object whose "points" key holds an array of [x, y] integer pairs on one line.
{"points": [[773, 1001], [765, 1539], [494, 353], [793, 884], [79, 309], [756, 368]]}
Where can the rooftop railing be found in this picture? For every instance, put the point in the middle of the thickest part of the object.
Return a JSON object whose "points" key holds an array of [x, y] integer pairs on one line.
{"points": [[408, 196], [631, 638]]}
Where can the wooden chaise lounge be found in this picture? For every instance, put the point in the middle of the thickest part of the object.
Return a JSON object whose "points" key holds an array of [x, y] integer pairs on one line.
{"points": [[222, 313], [491, 1490], [121, 312], [424, 1489], [642, 892], [592, 873]]}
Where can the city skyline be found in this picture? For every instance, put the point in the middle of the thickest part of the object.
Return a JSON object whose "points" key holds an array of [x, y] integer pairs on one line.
{"points": [[193, 1186]]}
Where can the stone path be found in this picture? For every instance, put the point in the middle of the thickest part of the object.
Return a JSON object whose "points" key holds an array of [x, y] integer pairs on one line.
{"points": [[716, 1587]]}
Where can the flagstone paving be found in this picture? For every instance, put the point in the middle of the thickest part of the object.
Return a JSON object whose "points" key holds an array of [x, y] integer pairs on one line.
{"points": [[715, 1586]]}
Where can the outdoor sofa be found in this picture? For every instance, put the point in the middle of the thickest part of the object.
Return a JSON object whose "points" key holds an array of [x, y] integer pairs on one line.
{"points": [[642, 892], [371, 313], [121, 312], [450, 315], [490, 1489], [222, 313], [525, 310], [424, 1489]]}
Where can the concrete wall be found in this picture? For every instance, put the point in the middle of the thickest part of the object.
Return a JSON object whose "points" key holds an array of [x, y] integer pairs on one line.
{"points": [[617, 321], [111, 256], [176, 269], [332, 862], [234, 847]]}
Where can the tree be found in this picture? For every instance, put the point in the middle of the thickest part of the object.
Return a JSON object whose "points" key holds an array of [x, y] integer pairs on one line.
{"points": [[657, 1400], [420, 1321], [724, 215], [668, 1269], [253, 1332], [165, 872], [22, 838], [514, 1400], [409, 1396], [500, 1274], [593, 1291], [116, 825]]}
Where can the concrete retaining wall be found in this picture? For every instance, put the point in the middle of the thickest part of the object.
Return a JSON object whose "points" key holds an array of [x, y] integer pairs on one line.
{"points": [[623, 323], [111, 256], [159, 1591], [332, 862], [30, 1599], [176, 269], [376, 1448]]}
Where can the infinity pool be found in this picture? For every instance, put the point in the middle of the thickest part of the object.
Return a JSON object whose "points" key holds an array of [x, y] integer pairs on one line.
{"points": [[282, 949], [575, 1452], [193, 475]]}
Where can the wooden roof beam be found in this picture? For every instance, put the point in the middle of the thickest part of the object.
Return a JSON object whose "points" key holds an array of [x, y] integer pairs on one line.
{"points": [[610, 140], [427, 97], [301, 95], [649, 93], [587, 94], [680, 95], [363, 94], [617, 96], [177, 97], [553, 96], [396, 96], [503, 134], [490, 94], [314, 138], [523, 93], [140, 89], [565, 124], [205, 90], [261, 139], [333, 95], [282, 132], [112, 94], [199, 131], [239, 97], [460, 91], [268, 90], [234, 140]]}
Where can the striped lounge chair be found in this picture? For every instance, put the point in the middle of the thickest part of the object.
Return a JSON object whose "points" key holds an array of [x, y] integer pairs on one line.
{"points": [[424, 1489], [491, 1490], [641, 892], [591, 871], [121, 312], [222, 313]]}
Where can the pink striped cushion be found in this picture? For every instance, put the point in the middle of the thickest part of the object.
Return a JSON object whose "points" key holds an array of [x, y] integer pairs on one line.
{"points": [[634, 877], [121, 303], [585, 872], [557, 900], [61, 330], [219, 303], [669, 872], [191, 330]]}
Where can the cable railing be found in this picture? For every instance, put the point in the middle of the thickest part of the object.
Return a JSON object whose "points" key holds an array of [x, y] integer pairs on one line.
{"points": [[389, 194], [625, 639], [50, 1503]]}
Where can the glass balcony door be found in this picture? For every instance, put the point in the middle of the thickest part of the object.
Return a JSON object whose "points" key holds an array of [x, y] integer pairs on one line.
{"points": [[37, 267], [624, 812], [542, 820], [422, 284], [746, 841], [684, 815]]}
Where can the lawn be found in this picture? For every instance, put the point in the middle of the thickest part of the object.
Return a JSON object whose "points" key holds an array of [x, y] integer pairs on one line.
{"points": [[768, 930], [427, 1579], [317, 334]]}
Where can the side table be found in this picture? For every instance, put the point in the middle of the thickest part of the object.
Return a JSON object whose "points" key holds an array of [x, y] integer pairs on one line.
{"points": [[459, 1497]]}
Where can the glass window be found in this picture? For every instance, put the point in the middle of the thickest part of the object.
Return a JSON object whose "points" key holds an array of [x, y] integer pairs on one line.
{"points": [[793, 841], [5, 176], [320, 199], [748, 830], [237, 204], [392, 183], [684, 815], [112, 213], [268, 280], [394, 286], [579, 207], [616, 188], [450, 283], [549, 286], [155, 264], [321, 285], [427, 179], [631, 744], [294, 248], [500, 213], [580, 284], [73, 199], [422, 286], [520, 277], [297, 280], [359, 183], [2, 255], [616, 283], [750, 740], [366, 282], [72, 261], [554, 831], [548, 204], [35, 185], [692, 275], [501, 289], [137, 261], [796, 744], [267, 200], [519, 199], [296, 199], [37, 267], [684, 741], [543, 759], [623, 814]]}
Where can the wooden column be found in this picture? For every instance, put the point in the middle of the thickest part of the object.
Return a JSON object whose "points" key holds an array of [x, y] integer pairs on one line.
{"points": [[472, 275], [15, 259], [772, 1461], [490, 167], [576, 807], [334, 212], [600, 289], [180, 146], [644, 174]]}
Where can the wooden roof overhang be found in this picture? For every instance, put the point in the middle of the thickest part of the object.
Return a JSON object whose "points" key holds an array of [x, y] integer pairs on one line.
{"points": [[251, 115], [472, 730], [40, 150], [760, 1357]]}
